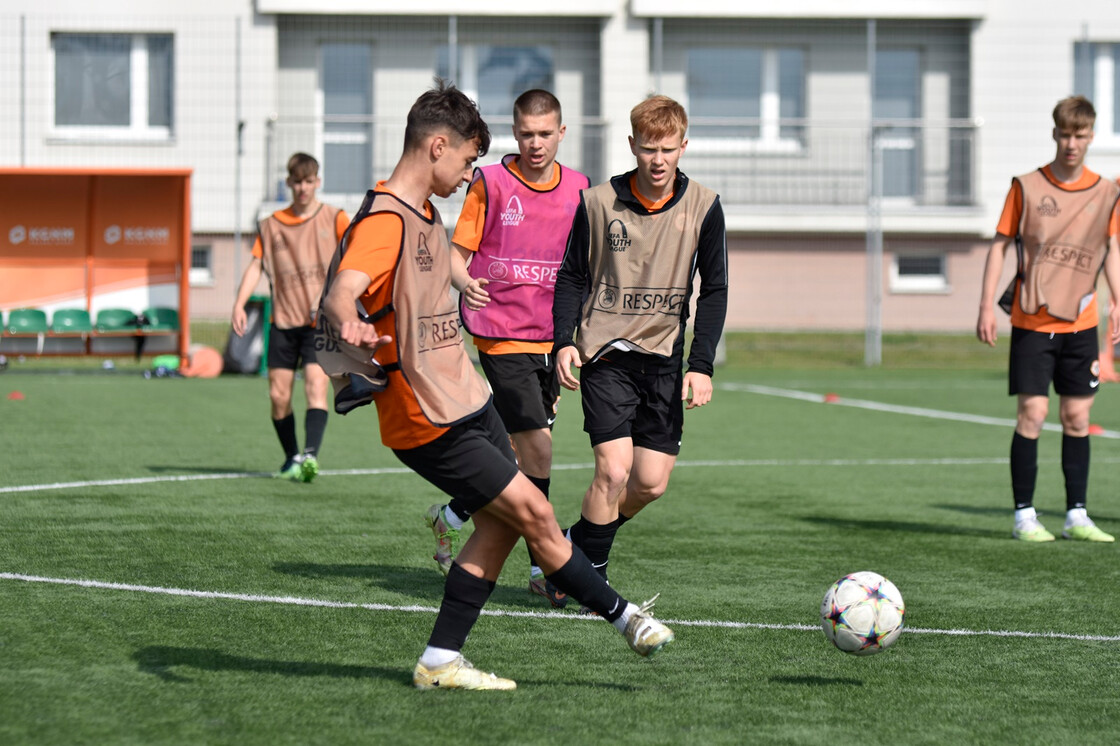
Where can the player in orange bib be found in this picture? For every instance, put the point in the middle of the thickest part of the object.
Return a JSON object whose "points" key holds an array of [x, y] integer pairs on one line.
{"points": [[293, 248], [1063, 220], [403, 348]]}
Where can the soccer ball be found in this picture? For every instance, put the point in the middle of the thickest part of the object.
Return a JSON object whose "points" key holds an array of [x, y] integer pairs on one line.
{"points": [[862, 613]]}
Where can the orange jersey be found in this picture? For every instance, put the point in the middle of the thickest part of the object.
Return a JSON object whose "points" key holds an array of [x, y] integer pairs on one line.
{"points": [[468, 234], [373, 249], [1009, 226], [287, 217]]}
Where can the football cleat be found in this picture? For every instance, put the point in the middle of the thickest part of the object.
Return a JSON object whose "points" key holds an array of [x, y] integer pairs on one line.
{"points": [[447, 538], [645, 634], [308, 468], [1031, 530], [544, 588], [1086, 532], [292, 470], [458, 674]]}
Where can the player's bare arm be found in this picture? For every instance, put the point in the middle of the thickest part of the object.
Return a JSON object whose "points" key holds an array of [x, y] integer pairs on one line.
{"points": [[701, 387], [472, 288], [1112, 277], [566, 358], [239, 320], [986, 327], [342, 311]]}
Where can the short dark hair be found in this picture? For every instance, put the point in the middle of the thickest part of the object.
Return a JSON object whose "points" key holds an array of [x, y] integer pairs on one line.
{"points": [[534, 103], [302, 165], [444, 108]]}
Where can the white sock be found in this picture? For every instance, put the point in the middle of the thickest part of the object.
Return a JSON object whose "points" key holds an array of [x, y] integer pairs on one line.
{"points": [[452, 519], [620, 623], [436, 657], [535, 571], [1076, 517], [1022, 515]]}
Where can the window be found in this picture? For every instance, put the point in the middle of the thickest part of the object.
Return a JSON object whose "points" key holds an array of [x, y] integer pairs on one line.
{"points": [[347, 95], [919, 273], [898, 99], [202, 271], [113, 85], [1096, 75], [495, 76], [743, 92]]}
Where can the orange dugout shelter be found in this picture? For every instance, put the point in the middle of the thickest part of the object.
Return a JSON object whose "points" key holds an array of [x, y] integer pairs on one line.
{"points": [[97, 239]]}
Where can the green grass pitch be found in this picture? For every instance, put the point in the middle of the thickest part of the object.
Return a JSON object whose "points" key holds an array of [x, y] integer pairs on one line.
{"points": [[311, 603]]}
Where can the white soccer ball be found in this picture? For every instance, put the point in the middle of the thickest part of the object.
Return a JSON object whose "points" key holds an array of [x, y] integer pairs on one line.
{"points": [[862, 613]]}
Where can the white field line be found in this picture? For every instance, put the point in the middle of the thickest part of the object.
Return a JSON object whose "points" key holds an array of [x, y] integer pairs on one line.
{"points": [[748, 463], [936, 414], [726, 463], [417, 609]]}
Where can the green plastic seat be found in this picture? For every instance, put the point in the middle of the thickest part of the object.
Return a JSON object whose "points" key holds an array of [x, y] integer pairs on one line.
{"points": [[26, 321], [116, 320], [161, 319], [71, 321]]}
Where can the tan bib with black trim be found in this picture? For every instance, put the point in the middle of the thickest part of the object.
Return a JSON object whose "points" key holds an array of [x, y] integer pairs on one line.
{"points": [[641, 265], [295, 257], [430, 353], [1065, 238]]}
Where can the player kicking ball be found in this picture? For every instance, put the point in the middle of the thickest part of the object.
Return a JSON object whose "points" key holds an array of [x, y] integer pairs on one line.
{"points": [[402, 350]]}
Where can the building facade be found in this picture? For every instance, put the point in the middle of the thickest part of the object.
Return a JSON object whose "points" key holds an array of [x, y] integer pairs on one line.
{"points": [[830, 134]]}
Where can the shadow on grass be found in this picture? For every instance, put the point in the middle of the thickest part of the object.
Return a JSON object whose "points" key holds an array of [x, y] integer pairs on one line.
{"points": [[1006, 511], [159, 660], [814, 681], [905, 526], [409, 581], [423, 583], [202, 470]]}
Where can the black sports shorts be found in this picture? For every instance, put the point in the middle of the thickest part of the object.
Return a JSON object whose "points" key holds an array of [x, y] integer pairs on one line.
{"points": [[472, 461], [626, 402], [526, 389], [287, 346], [1070, 360]]}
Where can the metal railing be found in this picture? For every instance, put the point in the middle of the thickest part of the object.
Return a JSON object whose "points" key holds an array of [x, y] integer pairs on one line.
{"points": [[802, 163], [791, 163]]}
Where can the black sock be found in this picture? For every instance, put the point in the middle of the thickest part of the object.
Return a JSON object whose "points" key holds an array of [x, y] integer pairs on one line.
{"points": [[541, 483], [464, 595], [595, 540], [286, 432], [579, 580], [622, 519], [1075, 466], [1024, 470], [314, 426]]}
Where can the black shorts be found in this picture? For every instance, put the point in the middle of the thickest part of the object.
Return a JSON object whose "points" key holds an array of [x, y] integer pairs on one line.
{"points": [[287, 346], [624, 402], [526, 389], [472, 461], [1070, 360]]}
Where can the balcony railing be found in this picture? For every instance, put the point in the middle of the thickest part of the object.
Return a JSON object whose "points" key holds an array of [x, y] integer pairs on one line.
{"points": [[801, 163], [356, 151], [793, 164]]}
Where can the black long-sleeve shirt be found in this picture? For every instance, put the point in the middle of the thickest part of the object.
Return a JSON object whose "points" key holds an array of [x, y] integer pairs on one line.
{"points": [[574, 281]]}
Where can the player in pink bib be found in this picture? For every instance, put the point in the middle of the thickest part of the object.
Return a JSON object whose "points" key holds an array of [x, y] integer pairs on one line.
{"points": [[508, 245]]}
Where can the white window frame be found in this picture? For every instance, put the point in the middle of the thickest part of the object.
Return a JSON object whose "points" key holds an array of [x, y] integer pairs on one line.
{"points": [[138, 128], [1105, 70], [324, 138], [769, 140], [202, 276], [937, 284]]}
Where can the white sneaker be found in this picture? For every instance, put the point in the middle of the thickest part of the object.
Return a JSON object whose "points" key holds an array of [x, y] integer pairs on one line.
{"points": [[458, 674], [645, 634], [1031, 529]]}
